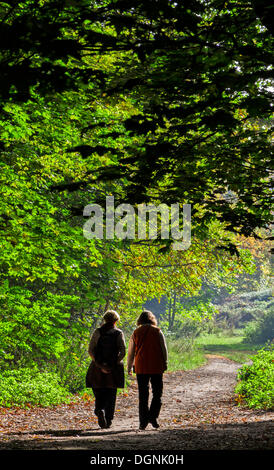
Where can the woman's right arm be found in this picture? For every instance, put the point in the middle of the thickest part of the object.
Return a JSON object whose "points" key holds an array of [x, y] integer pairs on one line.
{"points": [[92, 348], [121, 347], [93, 343]]}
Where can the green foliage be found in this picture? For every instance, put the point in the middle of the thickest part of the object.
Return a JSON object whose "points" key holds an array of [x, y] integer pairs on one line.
{"points": [[256, 382], [262, 330], [237, 310], [189, 321], [30, 328], [195, 135], [29, 386], [73, 363], [72, 372], [182, 355]]}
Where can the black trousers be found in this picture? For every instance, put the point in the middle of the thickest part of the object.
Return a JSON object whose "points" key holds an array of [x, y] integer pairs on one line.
{"points": [[147, 413], [105, 399]]}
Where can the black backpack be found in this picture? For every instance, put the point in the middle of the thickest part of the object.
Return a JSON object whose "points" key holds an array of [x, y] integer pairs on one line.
{"points": [[106, 352]]}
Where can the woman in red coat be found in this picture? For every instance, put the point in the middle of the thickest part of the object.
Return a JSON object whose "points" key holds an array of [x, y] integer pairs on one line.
{"points": [[148, 351]]}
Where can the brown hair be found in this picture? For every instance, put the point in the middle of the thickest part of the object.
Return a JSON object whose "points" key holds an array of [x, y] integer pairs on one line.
{"points": [[147, 317]]}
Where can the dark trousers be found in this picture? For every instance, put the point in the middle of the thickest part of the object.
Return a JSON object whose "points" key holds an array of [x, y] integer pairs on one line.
{"points": [[147, 413], [105, 399]]}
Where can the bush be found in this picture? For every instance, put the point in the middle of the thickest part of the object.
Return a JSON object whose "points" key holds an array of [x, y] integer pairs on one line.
{"points": [[261, 330], [28, 386], [72, 365], [73, 371], [256, 386], [32, 328], [187, 329]]}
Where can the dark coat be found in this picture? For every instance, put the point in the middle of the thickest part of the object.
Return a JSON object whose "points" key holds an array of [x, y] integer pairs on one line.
{"points": [[95, 377]]}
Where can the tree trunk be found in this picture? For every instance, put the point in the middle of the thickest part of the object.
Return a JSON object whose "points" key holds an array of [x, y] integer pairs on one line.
{"points": [[173, 310]]}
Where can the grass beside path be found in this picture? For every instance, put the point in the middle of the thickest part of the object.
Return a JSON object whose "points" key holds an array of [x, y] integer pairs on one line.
{"points": [[182, 356], [231, 346]]}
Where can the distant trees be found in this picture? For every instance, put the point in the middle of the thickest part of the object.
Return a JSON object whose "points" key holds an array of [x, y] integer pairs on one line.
{"points": [[240, 309]]}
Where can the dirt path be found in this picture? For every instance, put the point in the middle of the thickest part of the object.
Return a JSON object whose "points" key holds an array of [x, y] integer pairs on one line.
{"points": [[198, 413]]}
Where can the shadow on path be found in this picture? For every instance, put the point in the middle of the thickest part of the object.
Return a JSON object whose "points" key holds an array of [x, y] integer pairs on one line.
{"points": [[244, 436], [69, 432]]}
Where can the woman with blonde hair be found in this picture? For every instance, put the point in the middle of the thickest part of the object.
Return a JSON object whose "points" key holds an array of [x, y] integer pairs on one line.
{"points": [[106, 372], [148, 351]]}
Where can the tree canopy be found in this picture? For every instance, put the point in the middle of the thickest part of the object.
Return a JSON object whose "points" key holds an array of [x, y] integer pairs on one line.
{"points": [[198, 74]]}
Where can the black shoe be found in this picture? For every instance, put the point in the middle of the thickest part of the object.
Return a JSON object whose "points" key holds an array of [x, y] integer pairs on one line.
{"points": [[143, 426], [108, 423], [101, 419], [154, 423]]}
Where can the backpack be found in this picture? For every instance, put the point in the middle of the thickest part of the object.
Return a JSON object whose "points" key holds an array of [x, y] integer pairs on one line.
{"points": [[106, 352]]}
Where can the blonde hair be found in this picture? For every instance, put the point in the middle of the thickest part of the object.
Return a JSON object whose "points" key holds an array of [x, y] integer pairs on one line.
{"points": [[111, 316]]}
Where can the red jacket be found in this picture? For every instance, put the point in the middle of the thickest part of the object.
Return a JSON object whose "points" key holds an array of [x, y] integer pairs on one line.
{"points": [[149, 350]]}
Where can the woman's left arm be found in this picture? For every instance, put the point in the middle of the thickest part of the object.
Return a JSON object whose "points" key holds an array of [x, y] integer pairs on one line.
{"points": [[164, 347]]}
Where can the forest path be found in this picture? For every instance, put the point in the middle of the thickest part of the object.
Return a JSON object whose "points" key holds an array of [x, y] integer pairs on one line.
{"points": [[198, 413]]}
